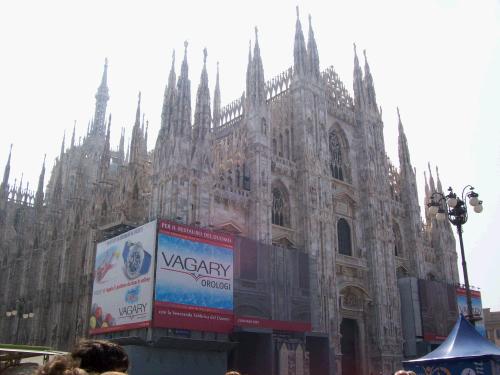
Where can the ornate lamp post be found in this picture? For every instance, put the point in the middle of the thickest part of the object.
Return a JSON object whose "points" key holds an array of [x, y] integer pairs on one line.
{"points": [[21, 311], [454, 209]]}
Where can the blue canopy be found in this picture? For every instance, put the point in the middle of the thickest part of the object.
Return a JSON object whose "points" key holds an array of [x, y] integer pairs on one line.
{"points": [[463, 342]]}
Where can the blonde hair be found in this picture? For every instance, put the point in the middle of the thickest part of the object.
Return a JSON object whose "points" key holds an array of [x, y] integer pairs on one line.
{"points": [[232, 372]]}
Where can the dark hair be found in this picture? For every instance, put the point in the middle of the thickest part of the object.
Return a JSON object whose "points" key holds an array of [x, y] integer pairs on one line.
{"points": [[100, 356], [60, 365]]}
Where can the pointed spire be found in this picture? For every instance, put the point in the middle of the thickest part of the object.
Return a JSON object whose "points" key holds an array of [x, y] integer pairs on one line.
{"points": [[431, 179], [258, 80], [217, 101], [183, 124], [73, 135], [121, 147], [138, 111], [359, 91], [39, 191], [202, 114], [6, 171], [403, 151], [369, 87], [249, 87], [169, 98], [62, 146], [106, 154], [135, 143], [312, 53], [439, 186], [299, 50], [20, 189], [101, 97]]}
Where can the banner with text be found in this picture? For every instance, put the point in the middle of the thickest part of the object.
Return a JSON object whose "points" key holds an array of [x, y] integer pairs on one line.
{"points": [[477, 308], [123, 281], [194, 279]]}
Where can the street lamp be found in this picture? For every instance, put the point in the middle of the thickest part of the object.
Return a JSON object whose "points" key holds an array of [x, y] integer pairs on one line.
{"points": [[454, 209]]}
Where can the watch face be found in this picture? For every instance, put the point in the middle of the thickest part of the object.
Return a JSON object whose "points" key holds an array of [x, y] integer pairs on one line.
{"points": [[134, 260], [468, 371]]}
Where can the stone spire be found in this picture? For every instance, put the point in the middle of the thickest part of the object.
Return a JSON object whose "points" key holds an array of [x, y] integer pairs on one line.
{"points": [[359, 92], [57, 191], [369, 87], [217, 101], [39, 191], [431, 179], [183, 107], [6, 172], [299, 50], [121, 147], [202, 116], [439, 186], [312, 53], [73, 135], [258, 82], [135, 143], [101, 97], [403, 151], [106, 154], [169, 98], [249, 88]]}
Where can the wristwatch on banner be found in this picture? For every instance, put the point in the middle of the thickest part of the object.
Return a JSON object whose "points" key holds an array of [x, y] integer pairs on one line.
{"points": [[136, 260]]}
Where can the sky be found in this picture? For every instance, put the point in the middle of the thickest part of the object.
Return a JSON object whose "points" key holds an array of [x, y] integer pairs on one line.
{"points": [[438, 60]]}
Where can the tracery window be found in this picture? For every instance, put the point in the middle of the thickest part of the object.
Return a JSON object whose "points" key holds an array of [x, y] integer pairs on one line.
{"points": [[280, 210], [398, 242], [335, 156], [344, 237]]}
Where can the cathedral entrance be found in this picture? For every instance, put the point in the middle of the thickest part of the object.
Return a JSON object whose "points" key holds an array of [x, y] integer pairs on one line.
{"points": [[349, 347]]}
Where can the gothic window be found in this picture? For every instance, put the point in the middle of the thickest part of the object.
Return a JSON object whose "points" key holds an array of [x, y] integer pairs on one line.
{"points": [[281, 146], [135, 192], [335, 156], [287, 144], [238, 177], [280, 208], [275, 146], [398, 242], [344, 237], [264, 126]]}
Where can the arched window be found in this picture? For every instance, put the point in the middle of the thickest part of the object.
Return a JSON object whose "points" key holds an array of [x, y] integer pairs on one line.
{"points": [[280, 153], [280, 211], [335, 156], [344, 237], [398, 242], [275, 146]]}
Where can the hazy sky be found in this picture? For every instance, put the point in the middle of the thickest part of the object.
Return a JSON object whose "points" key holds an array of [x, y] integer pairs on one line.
{"points": [[437, 60]]}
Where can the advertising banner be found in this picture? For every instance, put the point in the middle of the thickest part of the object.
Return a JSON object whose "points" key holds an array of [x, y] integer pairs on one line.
{"points": [[194, 279], [123, 281], [477, 308]]}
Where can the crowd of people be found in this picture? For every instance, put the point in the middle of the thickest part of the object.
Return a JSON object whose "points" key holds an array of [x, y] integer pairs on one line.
{"points": [[92, 357]]}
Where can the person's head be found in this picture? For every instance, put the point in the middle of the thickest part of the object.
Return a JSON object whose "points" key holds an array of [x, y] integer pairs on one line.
{"points": [[60, 365], [232, 372], [100, 356]]}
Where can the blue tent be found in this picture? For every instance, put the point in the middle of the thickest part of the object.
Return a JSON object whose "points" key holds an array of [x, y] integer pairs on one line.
{"points": [[464, 352]]}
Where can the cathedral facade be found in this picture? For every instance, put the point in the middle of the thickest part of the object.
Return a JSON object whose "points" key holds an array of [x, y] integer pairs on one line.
{"points": [[297, 162]]}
